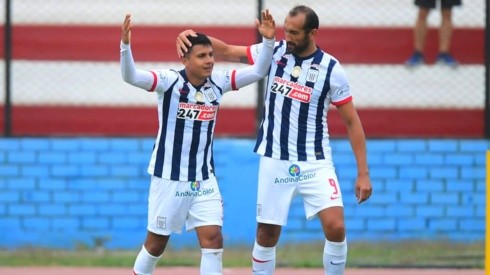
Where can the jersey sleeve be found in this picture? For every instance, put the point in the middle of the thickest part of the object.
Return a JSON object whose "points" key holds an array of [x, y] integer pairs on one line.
{"points": [[147, 80], [250, 74], [339, 86], [253, 52]]}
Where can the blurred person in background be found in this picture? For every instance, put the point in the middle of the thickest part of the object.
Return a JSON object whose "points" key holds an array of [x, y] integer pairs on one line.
{"points": [[183, 188], [445, 32], [293, 142]]}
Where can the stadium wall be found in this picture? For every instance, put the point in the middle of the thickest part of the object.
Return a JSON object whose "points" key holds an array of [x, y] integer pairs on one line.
{"points": [[89, 192], [70, 84]]}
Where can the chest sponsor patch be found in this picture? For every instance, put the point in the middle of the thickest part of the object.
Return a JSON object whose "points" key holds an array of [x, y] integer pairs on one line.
{"points": [[196, 112], [291, 89]]}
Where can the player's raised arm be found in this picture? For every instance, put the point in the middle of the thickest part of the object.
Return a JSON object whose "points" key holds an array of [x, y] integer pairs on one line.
{"points": [[222, 50], [259, 69], [138, 78]]}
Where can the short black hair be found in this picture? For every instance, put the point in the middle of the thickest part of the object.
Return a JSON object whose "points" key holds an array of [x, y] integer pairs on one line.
{"points": [[311, 18], [199, 39]]}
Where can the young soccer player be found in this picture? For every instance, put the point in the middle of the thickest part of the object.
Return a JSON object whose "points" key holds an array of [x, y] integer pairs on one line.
{"points": [[183, 189]]}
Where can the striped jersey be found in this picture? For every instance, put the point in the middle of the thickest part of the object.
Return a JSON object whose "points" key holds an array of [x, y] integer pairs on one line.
{"points": [[183, 149], [298, 95], [187, 118]]}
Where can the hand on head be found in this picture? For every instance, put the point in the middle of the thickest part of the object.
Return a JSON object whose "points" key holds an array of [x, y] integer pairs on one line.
{"points": [[183, 43]]}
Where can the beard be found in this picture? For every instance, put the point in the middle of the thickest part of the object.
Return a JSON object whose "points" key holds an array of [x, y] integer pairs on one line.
{"points": [[297, 49]]}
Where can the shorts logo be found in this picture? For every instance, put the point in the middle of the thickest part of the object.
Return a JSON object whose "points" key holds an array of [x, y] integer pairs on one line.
{"points": [[294, 176], [195, 186], [294, 170], [161, 222], [196, 190]]}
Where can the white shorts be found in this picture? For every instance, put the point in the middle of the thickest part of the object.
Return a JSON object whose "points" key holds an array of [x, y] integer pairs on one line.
{"points": [[171, 204], [281, 180]]}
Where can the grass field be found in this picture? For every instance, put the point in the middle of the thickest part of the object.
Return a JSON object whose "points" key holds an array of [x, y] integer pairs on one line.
{"points": [[361, 255]]}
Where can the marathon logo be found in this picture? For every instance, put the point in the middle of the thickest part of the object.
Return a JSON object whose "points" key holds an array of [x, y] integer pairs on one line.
{"points": [[196, 112], [291, 89]]}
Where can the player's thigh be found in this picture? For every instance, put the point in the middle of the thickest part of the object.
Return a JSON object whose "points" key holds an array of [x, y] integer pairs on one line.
{"points": [[168, 205], [322, 189], [277, 182]]}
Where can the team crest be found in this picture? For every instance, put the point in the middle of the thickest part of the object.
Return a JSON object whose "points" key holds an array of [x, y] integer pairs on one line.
{"points": [[210, 94], [312, 75]]}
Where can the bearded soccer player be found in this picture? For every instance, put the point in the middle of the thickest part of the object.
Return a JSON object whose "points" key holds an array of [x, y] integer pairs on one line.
{"points": [[183, 188], [293, 138]]}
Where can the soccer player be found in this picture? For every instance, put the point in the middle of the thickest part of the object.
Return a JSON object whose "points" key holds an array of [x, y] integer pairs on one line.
{"points": [[183, 186], [293, 138]]}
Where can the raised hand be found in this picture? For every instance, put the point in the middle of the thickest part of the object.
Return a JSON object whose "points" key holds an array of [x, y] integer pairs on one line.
{"points": [[267, 25], [126, 30]]}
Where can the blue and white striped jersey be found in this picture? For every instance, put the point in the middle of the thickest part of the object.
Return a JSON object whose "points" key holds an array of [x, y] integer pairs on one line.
{"points": [[187, 118], [187, 114], [298, 95]]}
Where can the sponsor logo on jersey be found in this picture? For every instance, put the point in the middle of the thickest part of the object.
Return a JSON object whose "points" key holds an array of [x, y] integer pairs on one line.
{"points": [[291, 89], [280, 64], [295, 175], [196, 112], [342, 90]]}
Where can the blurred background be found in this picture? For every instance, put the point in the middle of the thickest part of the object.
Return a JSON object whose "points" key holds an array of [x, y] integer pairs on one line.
{"points": [[77, 139]]}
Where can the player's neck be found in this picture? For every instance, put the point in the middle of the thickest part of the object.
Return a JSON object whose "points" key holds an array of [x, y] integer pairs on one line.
{"points": [[311, 49], [195, 81]]}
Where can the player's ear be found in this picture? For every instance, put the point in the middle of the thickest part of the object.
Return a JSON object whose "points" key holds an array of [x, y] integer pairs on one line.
{"points": [[185, 59], [313, 33]]}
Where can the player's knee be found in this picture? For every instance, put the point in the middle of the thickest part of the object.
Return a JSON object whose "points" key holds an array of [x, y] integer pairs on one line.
{"points": [[335, 231], [155, 249], [268, 235], [213, 240], [155, 244]]}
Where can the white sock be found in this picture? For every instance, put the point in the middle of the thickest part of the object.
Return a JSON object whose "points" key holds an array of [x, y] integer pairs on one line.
{"points": [[264, 260], [145, 263], [334, 257], [211, 261]]}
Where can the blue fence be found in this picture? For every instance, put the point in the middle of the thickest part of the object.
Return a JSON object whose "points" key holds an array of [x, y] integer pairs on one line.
{"points": [[71, 192]]}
